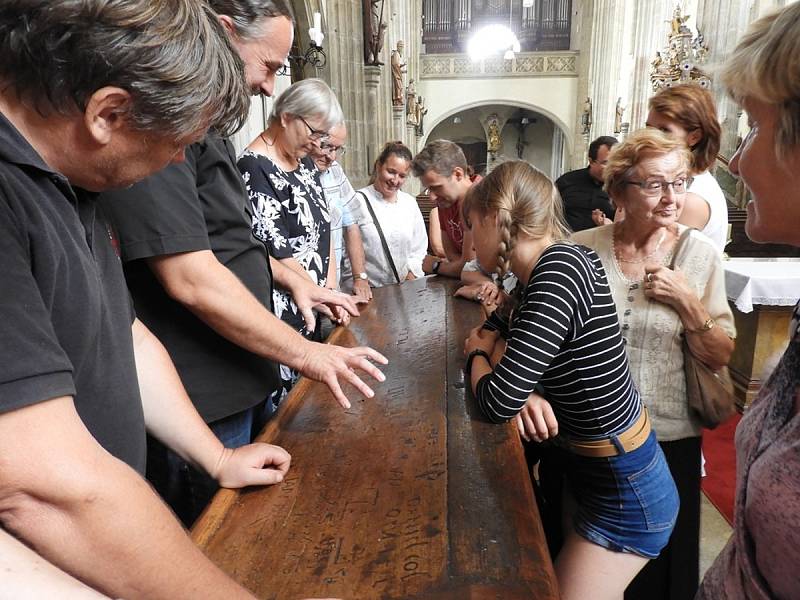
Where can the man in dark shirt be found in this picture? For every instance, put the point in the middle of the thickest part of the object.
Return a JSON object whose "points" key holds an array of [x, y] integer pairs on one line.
{"points": [[586, 204], [203, 284], [74, 404]]}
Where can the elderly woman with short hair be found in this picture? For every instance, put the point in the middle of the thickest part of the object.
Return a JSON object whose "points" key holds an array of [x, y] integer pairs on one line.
{"points": [[648, 176], [290, 213], [762, 556]]}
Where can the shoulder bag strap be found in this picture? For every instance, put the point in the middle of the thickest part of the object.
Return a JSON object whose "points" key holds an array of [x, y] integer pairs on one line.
{"points": [[380, 234]]}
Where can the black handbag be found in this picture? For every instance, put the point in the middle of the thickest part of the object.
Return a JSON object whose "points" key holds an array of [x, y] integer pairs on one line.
{"points": [[709, 393]]}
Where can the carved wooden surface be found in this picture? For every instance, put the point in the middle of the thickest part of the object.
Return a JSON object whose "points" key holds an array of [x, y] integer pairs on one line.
{"points": [[410, 494]]}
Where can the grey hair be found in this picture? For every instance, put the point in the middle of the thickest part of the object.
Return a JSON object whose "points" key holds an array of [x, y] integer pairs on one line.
{"points": [[309, 98], [172, 56], [766, 66], [248, 15]]}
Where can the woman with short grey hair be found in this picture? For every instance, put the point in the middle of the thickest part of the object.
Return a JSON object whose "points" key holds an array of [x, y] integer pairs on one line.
{"points": [[290, 213]]}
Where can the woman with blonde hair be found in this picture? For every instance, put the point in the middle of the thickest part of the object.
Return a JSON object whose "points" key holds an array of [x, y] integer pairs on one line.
{"points": [[647, 175], [687, 112], [564, 335], [761, 558]]}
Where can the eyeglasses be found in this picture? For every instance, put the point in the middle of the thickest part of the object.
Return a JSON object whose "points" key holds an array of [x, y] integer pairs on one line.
{"points": [[329, 148], [656, 187], [315, 134]]}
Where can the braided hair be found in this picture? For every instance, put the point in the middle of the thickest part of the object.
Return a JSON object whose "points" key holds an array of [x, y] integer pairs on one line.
{"points": [[526, 202]]}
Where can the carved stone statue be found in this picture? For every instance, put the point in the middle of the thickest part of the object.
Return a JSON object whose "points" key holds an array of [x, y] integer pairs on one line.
{"points": [[493, 142], [420, 111], [374, 29], [411, 104], [619, 111], [398, 68], [586, 117]]}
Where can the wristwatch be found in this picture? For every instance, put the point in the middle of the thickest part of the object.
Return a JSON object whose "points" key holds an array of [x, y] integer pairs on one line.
{"points": [[361, 276], [435, 266]]}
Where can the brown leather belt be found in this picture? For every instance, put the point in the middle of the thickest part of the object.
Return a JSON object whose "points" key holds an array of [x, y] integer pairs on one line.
{"points": [[630, 439]]}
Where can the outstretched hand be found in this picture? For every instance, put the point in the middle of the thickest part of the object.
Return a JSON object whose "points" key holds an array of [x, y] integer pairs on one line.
{"points": [[333, 364], [254, 464]]}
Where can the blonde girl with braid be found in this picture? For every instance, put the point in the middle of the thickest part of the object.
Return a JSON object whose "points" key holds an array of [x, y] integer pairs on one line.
{"points": [[563, 340]]}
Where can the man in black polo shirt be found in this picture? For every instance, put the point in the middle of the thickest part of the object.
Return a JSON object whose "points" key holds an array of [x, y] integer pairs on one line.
{"points": [[93, 95], [202, 282], [586, 204]]}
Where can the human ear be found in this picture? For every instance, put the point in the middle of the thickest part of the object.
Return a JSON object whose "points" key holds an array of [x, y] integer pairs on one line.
{"points": [[694, 137], [106, 111]]}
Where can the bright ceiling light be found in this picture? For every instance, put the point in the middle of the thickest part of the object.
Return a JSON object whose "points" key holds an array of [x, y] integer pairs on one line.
{"points": [[492, 39]]}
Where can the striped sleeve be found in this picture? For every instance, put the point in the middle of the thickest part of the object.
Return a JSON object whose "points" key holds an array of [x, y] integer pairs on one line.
{"points": [[556, 302]]}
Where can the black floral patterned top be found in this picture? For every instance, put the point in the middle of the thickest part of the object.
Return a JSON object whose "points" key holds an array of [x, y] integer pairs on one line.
{"points": [[291, 217]]}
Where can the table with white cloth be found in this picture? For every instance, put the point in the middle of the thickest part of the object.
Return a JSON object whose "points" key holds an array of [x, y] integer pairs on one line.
{"points": [[762, 293]]}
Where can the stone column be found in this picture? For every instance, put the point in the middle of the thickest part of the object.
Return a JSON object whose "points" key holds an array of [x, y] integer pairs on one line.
{"points": [[722, 23], [650, 29], [372, 79], [344, 72], [606, 53], [398, 121]]}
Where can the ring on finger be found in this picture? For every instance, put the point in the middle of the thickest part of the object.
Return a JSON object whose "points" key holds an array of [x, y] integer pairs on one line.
{"points": [[649, 278]]}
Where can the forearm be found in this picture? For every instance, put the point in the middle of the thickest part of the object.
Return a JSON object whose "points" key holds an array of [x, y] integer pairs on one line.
{"points": [[713, 347], [332, 268], [168, 412], [93, 516], [452, 268], [355, 248], [471, 277], [295, 267], [219, 299], [27, 576]]}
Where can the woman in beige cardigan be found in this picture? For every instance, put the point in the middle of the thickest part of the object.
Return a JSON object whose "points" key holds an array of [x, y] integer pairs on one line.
{"points": [[647, 175]]}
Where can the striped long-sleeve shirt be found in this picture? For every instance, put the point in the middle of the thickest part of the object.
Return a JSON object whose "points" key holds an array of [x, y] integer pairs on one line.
{"points": [[565, 336]]}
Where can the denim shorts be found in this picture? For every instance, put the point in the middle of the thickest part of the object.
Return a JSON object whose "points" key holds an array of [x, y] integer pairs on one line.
{"points": [[626, 503]]}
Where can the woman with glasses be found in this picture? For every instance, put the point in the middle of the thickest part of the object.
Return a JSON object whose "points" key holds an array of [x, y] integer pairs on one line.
{"points": [[687, 112], [761, 558], [290, 214], [648, 176]]}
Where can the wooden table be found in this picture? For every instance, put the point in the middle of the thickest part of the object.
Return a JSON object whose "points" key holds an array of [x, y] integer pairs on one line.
{"points": [[410, 494]]}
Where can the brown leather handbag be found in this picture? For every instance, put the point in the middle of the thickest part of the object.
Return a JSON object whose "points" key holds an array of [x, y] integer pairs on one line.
{"points": [[710, 393]]}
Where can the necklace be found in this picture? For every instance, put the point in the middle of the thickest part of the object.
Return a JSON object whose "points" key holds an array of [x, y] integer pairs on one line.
{"points": [[618, 256]]}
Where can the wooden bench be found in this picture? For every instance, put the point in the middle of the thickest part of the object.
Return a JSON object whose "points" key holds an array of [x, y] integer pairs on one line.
{"points": [[410, 494]]}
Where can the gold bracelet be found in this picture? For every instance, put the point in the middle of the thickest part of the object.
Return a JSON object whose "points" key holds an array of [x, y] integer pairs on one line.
{"points": [[707, 326]]}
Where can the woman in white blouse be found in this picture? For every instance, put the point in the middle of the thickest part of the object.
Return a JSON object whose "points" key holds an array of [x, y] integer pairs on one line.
{"points": [[399, 219], [688, 112]]}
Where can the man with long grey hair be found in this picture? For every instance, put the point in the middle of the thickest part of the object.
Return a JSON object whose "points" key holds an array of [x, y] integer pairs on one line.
{"points": [[203, 284], [93, 95]]}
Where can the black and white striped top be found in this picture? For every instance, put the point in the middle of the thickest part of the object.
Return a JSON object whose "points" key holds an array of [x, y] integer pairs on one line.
{"points": [[564, 335]]}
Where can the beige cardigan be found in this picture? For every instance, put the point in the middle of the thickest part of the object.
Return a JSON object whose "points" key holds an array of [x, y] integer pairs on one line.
{"points": [[653, 331]]}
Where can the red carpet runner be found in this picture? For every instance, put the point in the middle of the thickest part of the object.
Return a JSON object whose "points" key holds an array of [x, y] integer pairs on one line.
{"points": [[719, 484]]}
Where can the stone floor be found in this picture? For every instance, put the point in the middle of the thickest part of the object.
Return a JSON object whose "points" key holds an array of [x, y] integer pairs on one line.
{"points": [[714, 533]]}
